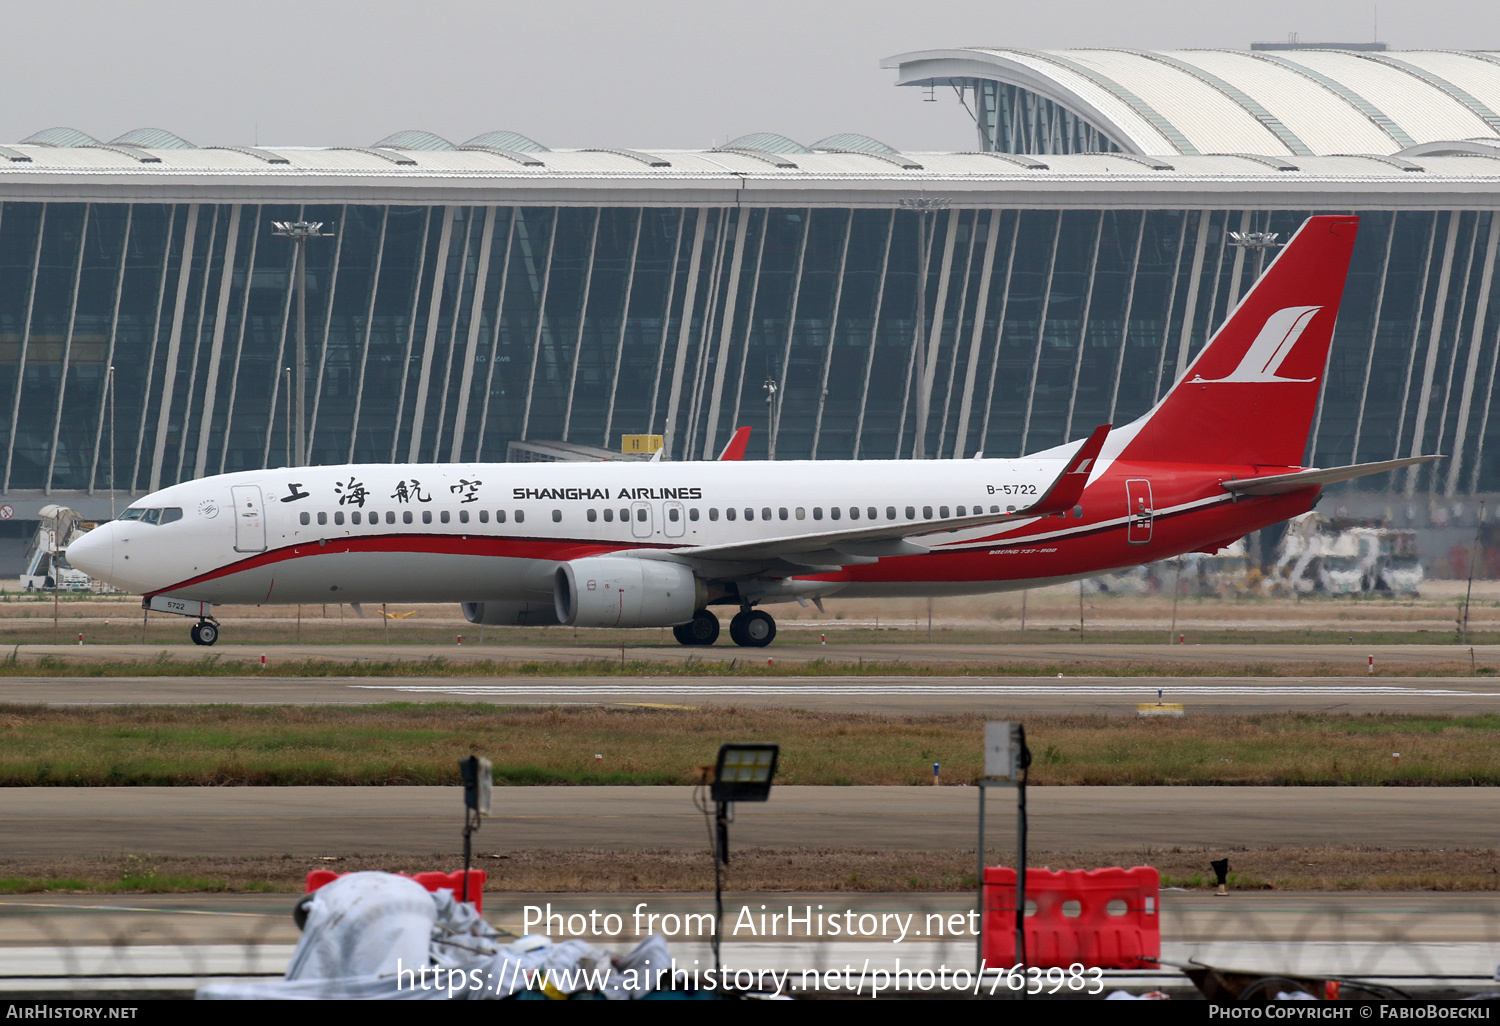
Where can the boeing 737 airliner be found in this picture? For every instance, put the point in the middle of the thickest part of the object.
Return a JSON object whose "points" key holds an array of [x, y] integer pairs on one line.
{"points": [[658, 544]]}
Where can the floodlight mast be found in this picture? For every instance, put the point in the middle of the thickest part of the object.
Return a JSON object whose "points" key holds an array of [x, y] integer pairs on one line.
{"points": [[479, 780], [299, 232], [743, 773]]}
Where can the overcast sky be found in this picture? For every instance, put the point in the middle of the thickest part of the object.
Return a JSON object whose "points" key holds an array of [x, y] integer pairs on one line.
{"points": [[574, 73]]}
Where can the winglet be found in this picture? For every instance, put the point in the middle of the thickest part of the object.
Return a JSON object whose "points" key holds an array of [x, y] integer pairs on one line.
{"points": [[1068, 487], [735, 449]]}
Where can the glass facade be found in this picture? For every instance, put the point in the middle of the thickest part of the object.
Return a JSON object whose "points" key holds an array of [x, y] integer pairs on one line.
{"points": [[445, 332]]}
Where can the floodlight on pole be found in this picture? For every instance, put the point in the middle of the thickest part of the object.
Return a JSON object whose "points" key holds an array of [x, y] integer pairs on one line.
{"points": [[741, 773], [299, 232]]}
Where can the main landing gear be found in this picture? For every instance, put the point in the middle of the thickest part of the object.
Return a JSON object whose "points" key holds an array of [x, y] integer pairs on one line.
{"points": [[205, 632], [751, 628]]}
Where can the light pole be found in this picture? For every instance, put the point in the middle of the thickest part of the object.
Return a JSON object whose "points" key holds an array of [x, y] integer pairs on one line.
{"points": [[925, 206], [299, 232]]}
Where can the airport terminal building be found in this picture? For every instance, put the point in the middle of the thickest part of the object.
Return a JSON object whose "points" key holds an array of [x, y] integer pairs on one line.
{"points": [[485, 300]]}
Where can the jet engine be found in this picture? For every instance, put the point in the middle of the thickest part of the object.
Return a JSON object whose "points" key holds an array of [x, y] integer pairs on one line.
{"points": [[510, 614], [622, 591]]}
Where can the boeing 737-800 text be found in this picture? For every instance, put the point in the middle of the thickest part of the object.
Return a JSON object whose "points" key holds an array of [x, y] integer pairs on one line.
{"points": [[657, 544]]}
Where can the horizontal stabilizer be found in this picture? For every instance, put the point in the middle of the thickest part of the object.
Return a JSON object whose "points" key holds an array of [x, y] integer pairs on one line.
{"points": [[1280, 484]]}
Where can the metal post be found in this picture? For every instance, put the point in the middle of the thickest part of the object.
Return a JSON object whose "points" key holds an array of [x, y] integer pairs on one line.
{"points": [[109, 386], [979, 879], [721, 859], [1473, 558], [1176, 592], [299, 232]]}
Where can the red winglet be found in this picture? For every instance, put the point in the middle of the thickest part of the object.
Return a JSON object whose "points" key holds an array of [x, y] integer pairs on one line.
{"points": [[735, 450], [1068, 488]]}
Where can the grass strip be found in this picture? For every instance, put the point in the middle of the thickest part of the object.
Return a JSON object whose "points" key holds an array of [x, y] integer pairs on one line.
{"points": [[411, 743], [759, 869], [165, 664]]}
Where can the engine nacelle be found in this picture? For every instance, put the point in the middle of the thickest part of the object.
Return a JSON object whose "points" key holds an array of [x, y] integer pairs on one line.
{"points": [[621, 591], [510, 614]]}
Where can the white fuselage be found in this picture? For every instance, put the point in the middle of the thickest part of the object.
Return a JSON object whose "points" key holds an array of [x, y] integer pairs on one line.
{"points": [[496, 532]]}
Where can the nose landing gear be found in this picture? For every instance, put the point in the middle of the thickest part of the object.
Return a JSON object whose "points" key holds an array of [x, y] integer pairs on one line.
{"points": [[205, 632]]}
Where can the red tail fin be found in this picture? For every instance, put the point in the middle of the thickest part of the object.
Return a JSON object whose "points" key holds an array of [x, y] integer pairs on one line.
{"points": [[735, 449], [1249, 396]]}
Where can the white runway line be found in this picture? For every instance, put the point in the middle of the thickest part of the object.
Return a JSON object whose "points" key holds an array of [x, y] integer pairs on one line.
{"points": [[1029, 690]]}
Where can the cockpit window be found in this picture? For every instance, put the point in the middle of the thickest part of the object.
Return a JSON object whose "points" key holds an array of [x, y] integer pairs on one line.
{"points": [[165, 515]]}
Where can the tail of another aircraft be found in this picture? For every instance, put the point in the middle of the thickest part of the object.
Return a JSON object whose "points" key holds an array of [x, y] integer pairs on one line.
{"points": [[1250, 395]]}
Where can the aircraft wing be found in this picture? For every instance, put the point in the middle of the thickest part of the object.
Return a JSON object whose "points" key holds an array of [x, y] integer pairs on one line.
{"points": [[1279, 484], [856, 545]]}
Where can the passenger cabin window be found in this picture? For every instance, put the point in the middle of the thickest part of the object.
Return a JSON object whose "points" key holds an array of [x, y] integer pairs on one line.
{"points": [[390, 516], [484, 516], [406, 516], [872, 513], [890, 512], [801, 513], [306, 517], [713, 513], [749, 514], [729, 514], [592, 515], [782, 513], [640, 514], [609, 516], [765, 513], [673, 514], [354, 518], [961, 511], [322, 518], [926, 512], [943, 512], [443, 516], [427, 516], [557, 516], [817, 512], [834, 512], [463, 516], [693, 513], [911, 512], [520, 516], [499, 516], [853, 512], [338, 516]]}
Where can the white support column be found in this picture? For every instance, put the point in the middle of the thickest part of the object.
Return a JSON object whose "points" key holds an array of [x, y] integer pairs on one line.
{"points": [[489, 377], [364, 348], [174, 346], [583, 316], [1190, 310], [1434, 335], [1083, 330], [195, 345], [864, 394], [774, 412], [445, 378], [15, 403], [1364, 393], [1135, 265], [705, 334], [1411, 348], [989, 396], [760, 251], [109, 357], [429, 343], [1476, 339], [471, 343], [333, 292], [726, 332], [1166, 338], [1041, 334], [684, 334], [932, 344], [67, 353], [161, 299], [411, 329], [966, 276], [833, 330], [666, 320], [981, 307], [239, 346], [614, 387], [1466, 269], [216, 351]]}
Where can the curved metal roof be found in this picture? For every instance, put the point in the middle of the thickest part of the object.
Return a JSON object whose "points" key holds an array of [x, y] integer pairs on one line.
{"points": [[1279, 104], [853, 142], [153, 139], [515, 142], [60, 137], [767, 142], [415, 139]]}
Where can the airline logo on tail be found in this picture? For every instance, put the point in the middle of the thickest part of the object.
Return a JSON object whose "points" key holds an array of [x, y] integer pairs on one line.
{"points": [[1271, 347]]}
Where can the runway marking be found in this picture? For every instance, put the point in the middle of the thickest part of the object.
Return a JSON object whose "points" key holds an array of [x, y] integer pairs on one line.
{"points": [[1038, 690]]}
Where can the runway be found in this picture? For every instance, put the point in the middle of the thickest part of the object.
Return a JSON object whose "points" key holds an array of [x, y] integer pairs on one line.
{"points": [[887, 695], [325, 821]]}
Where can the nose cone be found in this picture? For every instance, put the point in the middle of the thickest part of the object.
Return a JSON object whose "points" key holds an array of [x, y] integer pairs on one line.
{"points": [[94, 553]]}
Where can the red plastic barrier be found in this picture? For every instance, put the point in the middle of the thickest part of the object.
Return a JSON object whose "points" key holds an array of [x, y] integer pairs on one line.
{"points": [[1090, 932], [432, 881]]}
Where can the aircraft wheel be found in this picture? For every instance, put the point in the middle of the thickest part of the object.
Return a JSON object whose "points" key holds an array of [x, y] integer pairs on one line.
{"points": [[206, 633], [703, 629], [193, 633], [753, 628]]}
